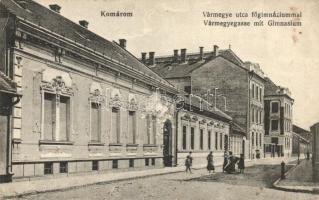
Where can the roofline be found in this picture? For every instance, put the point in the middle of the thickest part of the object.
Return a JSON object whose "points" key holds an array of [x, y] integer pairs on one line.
{"points": [[274, 95], [225, 119], [90, 51]]}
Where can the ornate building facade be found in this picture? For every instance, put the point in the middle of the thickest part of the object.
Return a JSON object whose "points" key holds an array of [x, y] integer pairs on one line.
{"points": [[222, 78], [202, 128], [278, 120], [87, 103]]}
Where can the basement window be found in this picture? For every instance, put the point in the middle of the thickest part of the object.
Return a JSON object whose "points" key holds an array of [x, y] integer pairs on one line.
{"points": [[48, 168]]}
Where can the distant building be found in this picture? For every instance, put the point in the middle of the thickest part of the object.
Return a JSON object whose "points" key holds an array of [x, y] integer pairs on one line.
{"points": [[302, 140], [315, 150], [8, 98], [278, 120], [88, 104], [222, 78], [201, 129]]}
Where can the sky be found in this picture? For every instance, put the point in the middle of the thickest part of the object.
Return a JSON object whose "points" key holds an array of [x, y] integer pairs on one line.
{"points": [[288, 55]]}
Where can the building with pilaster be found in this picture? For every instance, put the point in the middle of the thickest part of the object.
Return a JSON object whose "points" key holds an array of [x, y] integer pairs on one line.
{"points": [[222, 78], [87, 103]]}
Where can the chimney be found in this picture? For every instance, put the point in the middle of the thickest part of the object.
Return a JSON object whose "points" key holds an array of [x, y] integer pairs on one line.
{"points": [[122, 43], [175, 58], [216, 50], [55, 7], [151, 58], [84, 23], [183, 55], [143, 57], [201, 53]]}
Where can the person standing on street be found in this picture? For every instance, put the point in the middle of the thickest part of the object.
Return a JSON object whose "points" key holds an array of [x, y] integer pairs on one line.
{"points": [[241, 164], [210, 162], [188, 164]]}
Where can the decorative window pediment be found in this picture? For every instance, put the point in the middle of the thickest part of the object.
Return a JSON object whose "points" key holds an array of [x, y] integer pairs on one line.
{"points": [[203, 121], [96, 93], [194, 118], [115, 100], [57, 85], [132, 102], [186, 117]]}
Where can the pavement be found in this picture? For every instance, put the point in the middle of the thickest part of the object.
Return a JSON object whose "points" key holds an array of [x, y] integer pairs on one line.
{"points": [[298, 179], [16, 189]]}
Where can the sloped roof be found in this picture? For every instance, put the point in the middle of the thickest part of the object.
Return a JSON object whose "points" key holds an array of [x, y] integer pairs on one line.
{"points": [[7, 85], [207, 109], [167, 69], [50, 20], [302, 132], [237, 129], [270, 87]]}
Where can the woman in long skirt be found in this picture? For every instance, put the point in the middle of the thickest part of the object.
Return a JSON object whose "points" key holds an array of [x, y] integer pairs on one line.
{"points": [[210, 162]]}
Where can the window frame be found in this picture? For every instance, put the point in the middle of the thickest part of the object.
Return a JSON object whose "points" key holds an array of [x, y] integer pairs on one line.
{"points": [[271, 107], [271, 125], [56, 118]]}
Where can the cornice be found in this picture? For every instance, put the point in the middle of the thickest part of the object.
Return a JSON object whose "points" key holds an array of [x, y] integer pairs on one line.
{"points": [[56, 41]]}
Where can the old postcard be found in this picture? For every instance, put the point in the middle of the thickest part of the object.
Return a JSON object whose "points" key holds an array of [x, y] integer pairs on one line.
{"points": [[145, 99]]}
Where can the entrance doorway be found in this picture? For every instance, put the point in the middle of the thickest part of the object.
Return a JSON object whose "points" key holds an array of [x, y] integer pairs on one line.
{"points": [[243, 148], [167, 142]]}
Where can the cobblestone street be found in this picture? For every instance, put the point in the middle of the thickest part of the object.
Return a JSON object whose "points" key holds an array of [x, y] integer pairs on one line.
{"points": [[254, 184]]}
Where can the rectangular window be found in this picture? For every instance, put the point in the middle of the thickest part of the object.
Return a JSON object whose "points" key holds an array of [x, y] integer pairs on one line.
{"points": [[252, 140], [131, 127], [209, 140], [48, 168], [257, 92], [49, 116], [257, 139], [154, 127], [115, 125], [95, 122], [153, 161], [253, 115], [274, 125], [95, 165], [64, 118], [147, 162], [63, 167], [184, 137], [260, 139], [56, 117], [220, 141], [115, 164], [216, 141], [256, 116], [201, 139], [260, 94], [131, 163], [192, 137], [274, 107], [253, 91]]}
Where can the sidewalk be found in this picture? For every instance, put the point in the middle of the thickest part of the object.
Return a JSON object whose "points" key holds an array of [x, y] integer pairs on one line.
{"points": [[299, 179], [62, 183]]}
